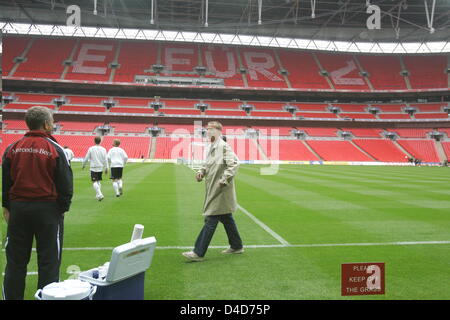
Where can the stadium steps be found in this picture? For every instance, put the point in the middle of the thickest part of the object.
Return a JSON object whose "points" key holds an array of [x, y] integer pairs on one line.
{"points": [[280, 67], [116, 60], [311, 149], [448, 75], [152, 148], [402, 149], [440, 151], [71, 57], [158, 54], [260, 149], [241, 65], [362, 150], [330, 83], [24, 54], [360, 68], [408, 83]]}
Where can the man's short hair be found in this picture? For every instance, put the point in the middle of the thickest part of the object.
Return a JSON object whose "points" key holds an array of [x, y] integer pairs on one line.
{"points": [[216, 125], [37, 116], [116, 142], [97, 140]]}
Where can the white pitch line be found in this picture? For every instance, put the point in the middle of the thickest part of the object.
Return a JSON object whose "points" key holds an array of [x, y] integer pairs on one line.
{"points": [[264, 226], [259, 246]]}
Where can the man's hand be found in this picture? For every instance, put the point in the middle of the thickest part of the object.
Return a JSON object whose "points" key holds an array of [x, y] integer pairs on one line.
{"points": [[6, 214], [222, 184], [199, 176]]}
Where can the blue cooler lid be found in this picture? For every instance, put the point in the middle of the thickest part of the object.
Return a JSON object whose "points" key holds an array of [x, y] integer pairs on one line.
{"points": [[67, 290]]}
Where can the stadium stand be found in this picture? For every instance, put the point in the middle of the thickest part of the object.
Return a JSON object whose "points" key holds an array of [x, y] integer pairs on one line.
{"points": [[289, 150], [245, 149], [85, 100], [421, 149], [135, 58], [172, 148], [411, 133], [45, 58], [357, 115], [25, 105], [427, 71], [129, 127], [82, 108], [320, 132], [92, 61], [121, 61], [337, 151], [364, 133], [16, 47], [381, 149], [261, 68], [131, 110], [78, 126], [394, 116], [36, 98], [226, 113], [14, 125], [384, 72], [222, 62], [446, 146], [431, 115], [343, 71], [307, 77]]}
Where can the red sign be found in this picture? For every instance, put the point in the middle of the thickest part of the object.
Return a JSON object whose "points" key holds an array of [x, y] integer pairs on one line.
{"points": [[362, 279]]}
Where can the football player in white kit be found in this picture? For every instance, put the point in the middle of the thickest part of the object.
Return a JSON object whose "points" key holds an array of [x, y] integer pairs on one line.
{"points": [[97, 158], [117, 158]]}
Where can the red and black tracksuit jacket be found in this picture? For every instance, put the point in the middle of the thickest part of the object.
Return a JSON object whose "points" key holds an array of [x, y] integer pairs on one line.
{"points": [[37, 190], [35, 169]]}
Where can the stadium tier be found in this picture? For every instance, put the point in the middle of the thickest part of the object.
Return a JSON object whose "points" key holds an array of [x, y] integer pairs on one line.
{"points": [[78, 126], [323, 144], [384, 72], [446, 147], [343, 71], [135, 147], [364, 133], [338, 151], [357, 115], [381, 150], [42, 57], [122, 61], [394, 116], [411, 133], [421, 149], [289, 150], [25, 106], [427, 71]]}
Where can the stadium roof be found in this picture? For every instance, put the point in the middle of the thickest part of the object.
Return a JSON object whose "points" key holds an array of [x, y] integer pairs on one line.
{"points": [[418, 26]]}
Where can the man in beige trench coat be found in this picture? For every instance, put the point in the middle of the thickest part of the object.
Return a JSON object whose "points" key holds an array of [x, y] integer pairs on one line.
{"points": [[219, 169]]}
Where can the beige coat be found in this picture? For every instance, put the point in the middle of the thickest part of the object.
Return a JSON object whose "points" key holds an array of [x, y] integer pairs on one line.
{"points": [[220, 166]]}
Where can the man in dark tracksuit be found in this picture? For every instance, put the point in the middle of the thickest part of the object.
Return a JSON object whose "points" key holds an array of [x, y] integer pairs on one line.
{"points": [[37, 189]]}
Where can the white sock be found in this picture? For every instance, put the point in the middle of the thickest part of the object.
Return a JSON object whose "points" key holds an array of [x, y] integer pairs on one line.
{"points": [[97, 189], [120, 183], [116, 187]]}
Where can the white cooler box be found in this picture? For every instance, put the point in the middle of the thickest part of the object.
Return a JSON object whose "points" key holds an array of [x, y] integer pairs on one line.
{"points": [[123, 277]]}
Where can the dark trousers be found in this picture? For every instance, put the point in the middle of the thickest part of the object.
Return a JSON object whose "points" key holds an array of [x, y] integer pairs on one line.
{"points": [[205, 236], [27, 220]]}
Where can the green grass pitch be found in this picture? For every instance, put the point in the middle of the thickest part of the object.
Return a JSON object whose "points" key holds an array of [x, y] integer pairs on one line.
{"points": [[306, 206]]}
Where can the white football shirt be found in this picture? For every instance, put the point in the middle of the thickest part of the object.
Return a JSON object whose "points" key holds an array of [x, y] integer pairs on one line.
{"points": [[117, 157], [97, 158]]}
